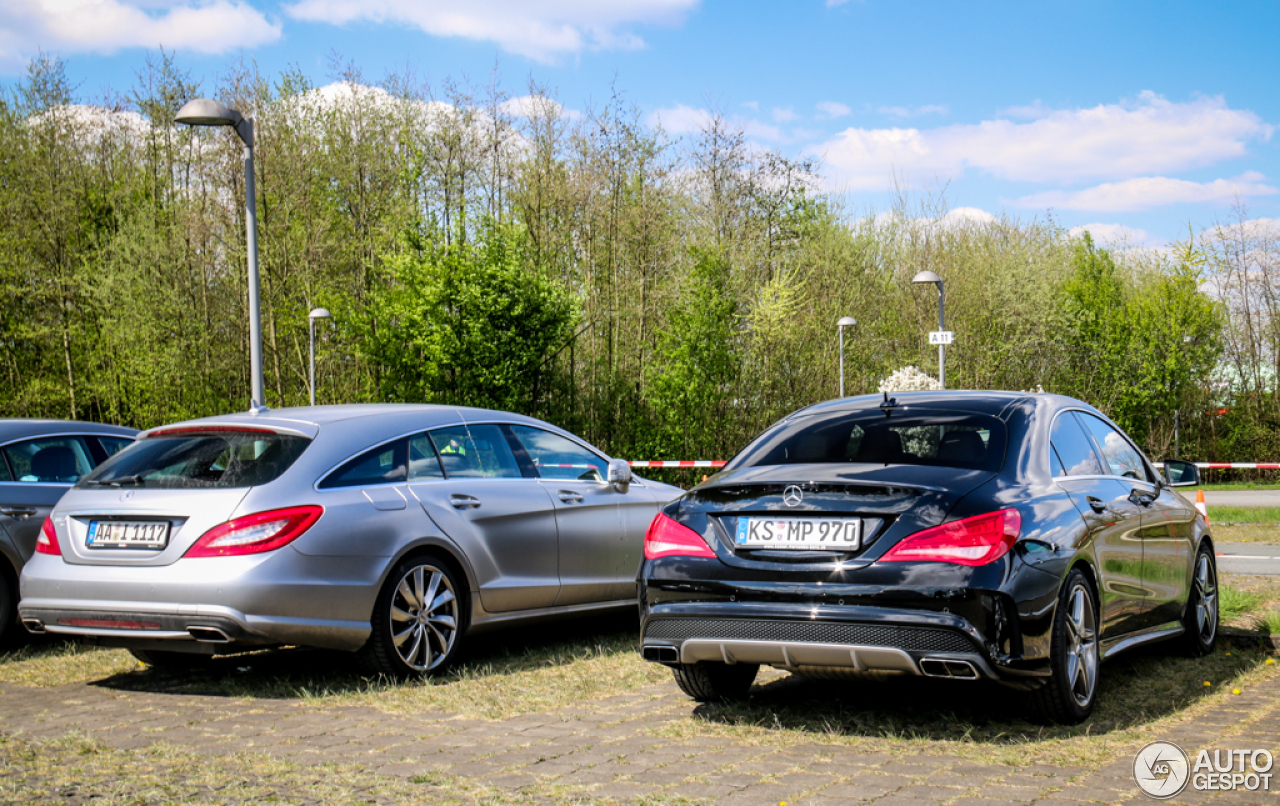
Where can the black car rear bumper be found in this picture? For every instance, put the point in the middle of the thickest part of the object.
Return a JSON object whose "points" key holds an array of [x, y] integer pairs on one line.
{"points": [[819, 640]]}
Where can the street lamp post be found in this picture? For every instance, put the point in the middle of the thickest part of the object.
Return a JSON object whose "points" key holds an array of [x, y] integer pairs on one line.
{"points": [[845, 321], [930, 277], [204, 112], [316, 313]]}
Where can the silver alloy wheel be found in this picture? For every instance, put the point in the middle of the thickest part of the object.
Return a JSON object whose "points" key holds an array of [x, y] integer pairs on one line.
{"points": [[424, 617], [1082, 646], [1206, 598]]}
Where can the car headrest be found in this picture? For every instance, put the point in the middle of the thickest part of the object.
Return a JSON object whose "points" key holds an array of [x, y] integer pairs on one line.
{"points": [[961, 446], [54, 463]]}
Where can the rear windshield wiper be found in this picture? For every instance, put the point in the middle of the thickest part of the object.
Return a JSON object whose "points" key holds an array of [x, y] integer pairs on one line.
{"points": [[120, 482]]}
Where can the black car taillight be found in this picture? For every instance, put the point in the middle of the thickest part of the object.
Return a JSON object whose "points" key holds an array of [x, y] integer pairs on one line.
{"points": [[972, 541], [668, 538]]}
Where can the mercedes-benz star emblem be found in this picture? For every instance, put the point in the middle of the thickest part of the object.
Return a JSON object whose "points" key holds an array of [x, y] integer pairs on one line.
{"points": [[792, 496]]}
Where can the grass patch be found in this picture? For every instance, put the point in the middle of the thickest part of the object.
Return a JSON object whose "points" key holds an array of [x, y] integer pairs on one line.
{"points": [[53, 662], [1233, 602], [1143, 694], [1244, 514], [1228, 486], [1270, 622], [500, 675], [1267, 534]]}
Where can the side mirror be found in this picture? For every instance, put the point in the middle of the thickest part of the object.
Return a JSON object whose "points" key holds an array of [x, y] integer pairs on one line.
{"points": [[1180, 473], [620, 474]]}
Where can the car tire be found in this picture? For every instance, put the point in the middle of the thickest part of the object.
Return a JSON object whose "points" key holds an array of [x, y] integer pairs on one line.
{"points": [[417, 621], [1069, 694], [1200, 620], [171, 661], [710, 681]]}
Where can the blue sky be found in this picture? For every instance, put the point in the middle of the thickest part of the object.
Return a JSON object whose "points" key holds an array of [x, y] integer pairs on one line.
{"points": [[1141, 115]]}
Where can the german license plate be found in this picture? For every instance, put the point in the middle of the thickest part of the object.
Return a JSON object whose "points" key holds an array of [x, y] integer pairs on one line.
{"points": [[815, 534], [127, 535]]}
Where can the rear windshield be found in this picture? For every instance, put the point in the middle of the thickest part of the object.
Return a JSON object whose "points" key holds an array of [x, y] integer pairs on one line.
{"points": [[215, 460], [937, 439]]}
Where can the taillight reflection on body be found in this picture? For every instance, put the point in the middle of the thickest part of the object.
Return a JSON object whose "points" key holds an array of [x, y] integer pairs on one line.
{"points": [[972, 541], [47, 542], [667, 538], [254, 534]]}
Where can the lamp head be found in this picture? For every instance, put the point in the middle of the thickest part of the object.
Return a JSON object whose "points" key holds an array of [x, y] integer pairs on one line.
{"points": [[206, 112], [846, 321], [926, 277], [319, 313]]}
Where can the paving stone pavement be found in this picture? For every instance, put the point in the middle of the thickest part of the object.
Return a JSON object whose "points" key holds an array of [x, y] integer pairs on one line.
{"points": [[607, 746]]}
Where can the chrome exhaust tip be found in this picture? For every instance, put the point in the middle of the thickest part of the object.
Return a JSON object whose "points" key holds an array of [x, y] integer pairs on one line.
{"points": [[660, 654], [946, 667], [34, 626], [208, 635]]}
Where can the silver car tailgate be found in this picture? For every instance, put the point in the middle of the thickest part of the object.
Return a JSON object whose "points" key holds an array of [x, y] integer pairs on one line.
{"points": [[190, 513]]}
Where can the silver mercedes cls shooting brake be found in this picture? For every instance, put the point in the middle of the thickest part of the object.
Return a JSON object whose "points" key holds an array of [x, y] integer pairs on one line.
{"points": [[389, 530]]}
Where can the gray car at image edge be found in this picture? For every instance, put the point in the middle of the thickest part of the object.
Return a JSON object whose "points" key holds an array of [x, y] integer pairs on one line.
{"points": [[39, 461], [389, 530]]}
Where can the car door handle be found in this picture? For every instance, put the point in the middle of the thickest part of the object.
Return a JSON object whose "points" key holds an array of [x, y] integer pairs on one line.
{"points": [[1097, 504], [464, 501], [17, 512], [570, 497]]}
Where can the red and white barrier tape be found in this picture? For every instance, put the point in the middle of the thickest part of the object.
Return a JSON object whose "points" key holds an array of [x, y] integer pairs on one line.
{"points": [[1233, 465], [665, 463]]}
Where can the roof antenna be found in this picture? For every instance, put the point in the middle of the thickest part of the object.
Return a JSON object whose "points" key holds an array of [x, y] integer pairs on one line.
{"points": [[256, 408], [889, 404]]}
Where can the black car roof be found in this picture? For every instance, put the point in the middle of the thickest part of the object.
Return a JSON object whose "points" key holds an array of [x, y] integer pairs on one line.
{"points": [[980, 402], [25, 429]]}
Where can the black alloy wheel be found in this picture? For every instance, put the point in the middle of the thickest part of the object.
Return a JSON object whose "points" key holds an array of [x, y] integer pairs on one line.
{"points": [[1069, 695], [1200, 620]]}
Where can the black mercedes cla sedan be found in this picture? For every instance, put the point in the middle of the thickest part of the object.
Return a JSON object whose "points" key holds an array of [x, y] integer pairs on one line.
{"points": [[1020, 538]]}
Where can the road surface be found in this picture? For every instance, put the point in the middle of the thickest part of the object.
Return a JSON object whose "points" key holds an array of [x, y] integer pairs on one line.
{"points": [[1249, 558], [1235, 498]]}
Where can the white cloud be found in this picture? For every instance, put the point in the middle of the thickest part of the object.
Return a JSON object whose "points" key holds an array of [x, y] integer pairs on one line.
{"points": [[962, 215], [1113, 234], [914, 111], [754, 106], [784, 115], [832, 109], [540, 29], [1114, 141], [537, 106], [1146, 192], [680, 119], [106, 26]]}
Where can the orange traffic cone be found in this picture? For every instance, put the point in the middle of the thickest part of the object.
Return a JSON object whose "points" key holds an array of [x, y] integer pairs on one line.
{"points": [[1201, 507]]}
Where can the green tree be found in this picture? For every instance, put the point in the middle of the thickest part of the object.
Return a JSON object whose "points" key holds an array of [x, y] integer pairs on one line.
{"points": [[694, 380], [468, 323]]}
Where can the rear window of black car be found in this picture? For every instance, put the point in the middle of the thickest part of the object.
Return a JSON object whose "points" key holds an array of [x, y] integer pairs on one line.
{"points": [[938, 439], [222, 459]]}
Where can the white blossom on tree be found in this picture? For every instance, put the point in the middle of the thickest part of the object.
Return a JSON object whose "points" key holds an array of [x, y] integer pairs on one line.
{"points": [[909, 379]]}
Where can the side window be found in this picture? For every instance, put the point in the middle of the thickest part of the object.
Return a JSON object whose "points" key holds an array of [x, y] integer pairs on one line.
{"points": [[478, 451], [58, 460], [1055, 463], [381, 465], [113, 445], [558, 458], [1074, 448], [423, 462], [1117, 452]]}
